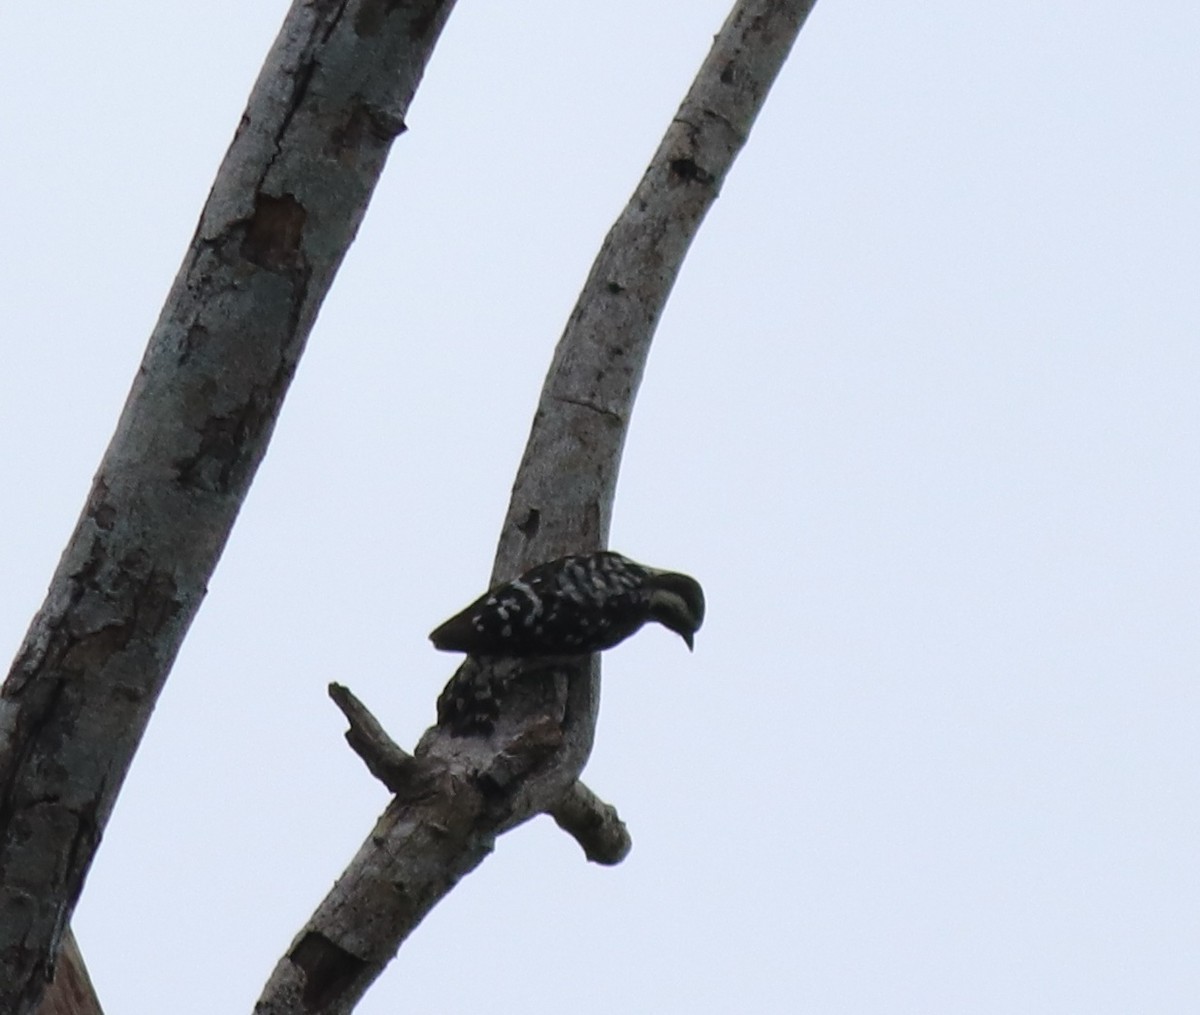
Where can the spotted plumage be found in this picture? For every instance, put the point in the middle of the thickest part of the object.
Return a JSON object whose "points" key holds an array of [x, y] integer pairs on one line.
{"points": [[573, 606]]}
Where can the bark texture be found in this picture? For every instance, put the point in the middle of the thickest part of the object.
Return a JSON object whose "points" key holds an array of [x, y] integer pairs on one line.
{"points": [[71, 991], [467, 790], [285, 206]]}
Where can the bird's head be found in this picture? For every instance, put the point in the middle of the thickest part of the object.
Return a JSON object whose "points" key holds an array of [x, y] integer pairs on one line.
{"points": [[677, 602]]}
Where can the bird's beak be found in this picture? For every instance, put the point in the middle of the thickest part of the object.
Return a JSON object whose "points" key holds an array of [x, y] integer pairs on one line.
{"points": [[689, 638]]}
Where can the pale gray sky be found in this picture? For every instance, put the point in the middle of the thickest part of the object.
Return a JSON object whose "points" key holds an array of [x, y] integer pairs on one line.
{"points": [[922, 416]]}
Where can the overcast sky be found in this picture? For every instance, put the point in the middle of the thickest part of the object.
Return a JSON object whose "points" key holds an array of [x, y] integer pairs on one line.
{"points": [[922, 416]]}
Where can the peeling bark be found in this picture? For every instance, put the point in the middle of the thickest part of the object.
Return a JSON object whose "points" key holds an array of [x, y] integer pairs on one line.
{"points": [[284, 208]]}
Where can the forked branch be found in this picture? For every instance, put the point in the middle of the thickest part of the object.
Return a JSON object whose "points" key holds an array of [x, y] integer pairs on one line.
{"points": [[561, 502]]}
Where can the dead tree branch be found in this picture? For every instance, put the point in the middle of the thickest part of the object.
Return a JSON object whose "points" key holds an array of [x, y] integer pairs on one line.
{"points": [[284, 208], [390, 763], [561, 502], [592, 823]]}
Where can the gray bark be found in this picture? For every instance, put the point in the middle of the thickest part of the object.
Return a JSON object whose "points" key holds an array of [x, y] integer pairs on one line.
{"points": [[455, 795], [285, 206]]}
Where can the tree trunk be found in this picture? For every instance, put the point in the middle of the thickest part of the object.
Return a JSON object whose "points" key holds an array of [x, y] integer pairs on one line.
{"points": [[284, 208]]}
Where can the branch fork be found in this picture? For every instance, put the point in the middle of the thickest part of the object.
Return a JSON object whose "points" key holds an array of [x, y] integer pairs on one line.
{"points": [[591, 822]]}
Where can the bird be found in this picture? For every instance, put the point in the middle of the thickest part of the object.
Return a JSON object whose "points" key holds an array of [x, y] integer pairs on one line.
{"points": [[574, 605]]}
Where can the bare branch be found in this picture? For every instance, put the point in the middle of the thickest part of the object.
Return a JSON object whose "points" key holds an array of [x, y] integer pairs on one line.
{"points": [[284, 208], [595, 825], [398, 770], [563, 496], [561, 502]]}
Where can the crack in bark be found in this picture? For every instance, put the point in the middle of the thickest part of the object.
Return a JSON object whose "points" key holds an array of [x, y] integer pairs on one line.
{"points": [[584, 403]]}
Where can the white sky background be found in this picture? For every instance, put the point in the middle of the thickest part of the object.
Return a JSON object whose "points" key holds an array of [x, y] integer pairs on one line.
{"points": [[922, 415]]}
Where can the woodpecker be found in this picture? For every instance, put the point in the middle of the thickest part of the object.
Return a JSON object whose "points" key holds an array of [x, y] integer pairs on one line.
{"points": [[573, 606]]}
